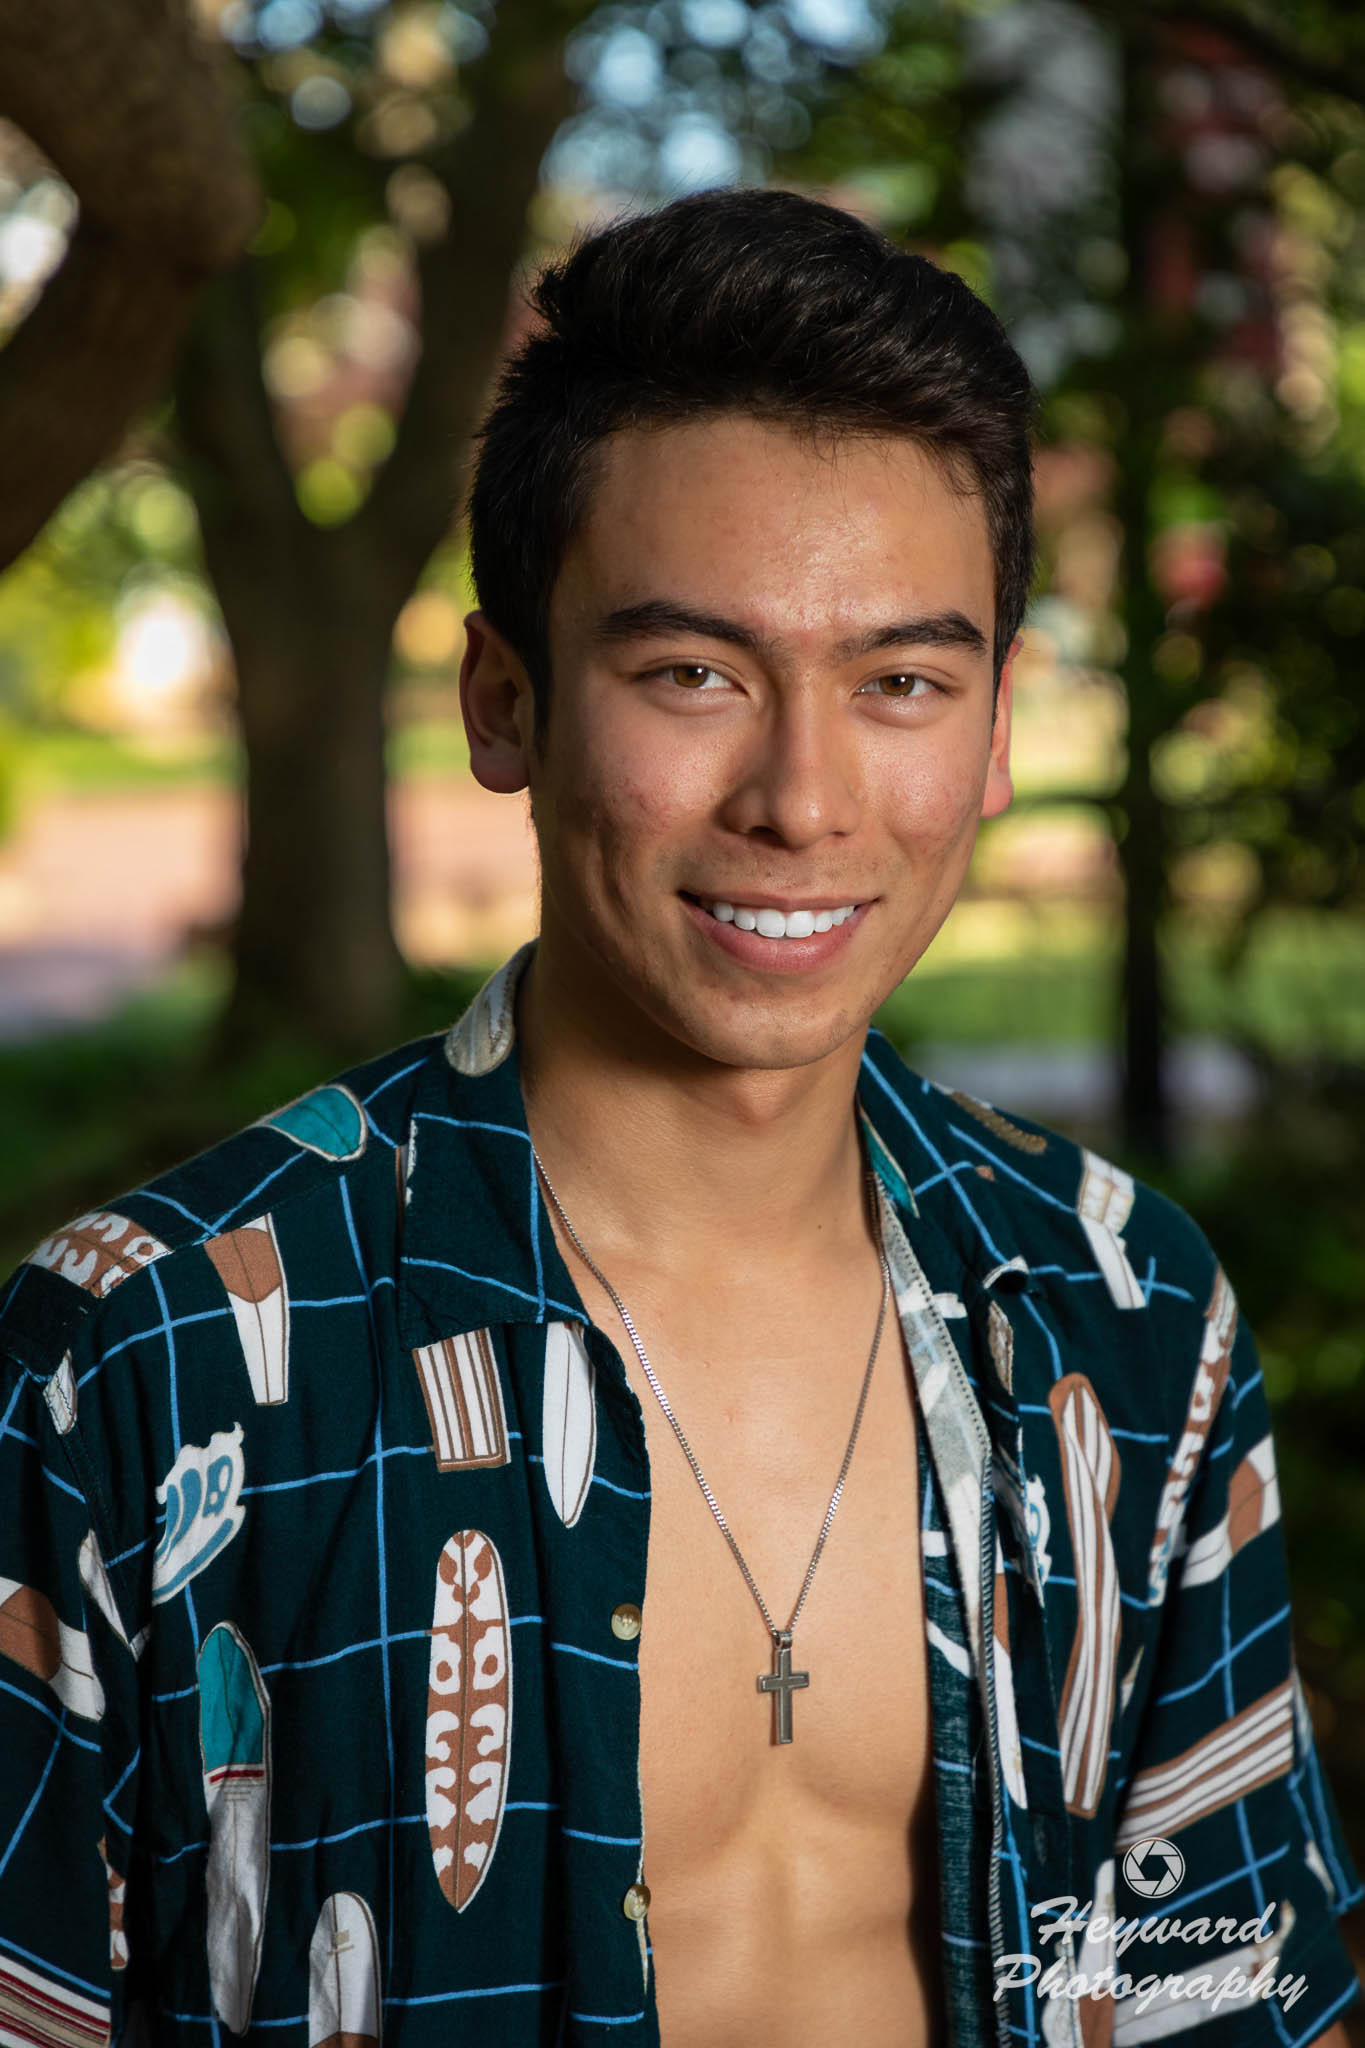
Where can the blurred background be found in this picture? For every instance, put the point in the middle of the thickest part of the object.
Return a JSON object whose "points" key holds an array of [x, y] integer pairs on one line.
{"points": [[257, 265]]}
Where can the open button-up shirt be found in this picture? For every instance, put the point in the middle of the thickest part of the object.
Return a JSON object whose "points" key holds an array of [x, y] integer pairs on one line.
{"points": [[324, 1532]]}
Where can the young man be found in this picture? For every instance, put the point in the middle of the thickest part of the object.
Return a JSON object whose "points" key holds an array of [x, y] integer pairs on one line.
{"points": [[642, 1519]]}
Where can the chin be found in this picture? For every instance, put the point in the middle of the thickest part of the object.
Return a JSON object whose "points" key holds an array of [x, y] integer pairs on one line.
{"points": [[761, 1041]]}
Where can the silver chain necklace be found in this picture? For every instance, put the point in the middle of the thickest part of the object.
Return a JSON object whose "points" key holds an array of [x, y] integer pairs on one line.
{"points": [[781, 1681]]}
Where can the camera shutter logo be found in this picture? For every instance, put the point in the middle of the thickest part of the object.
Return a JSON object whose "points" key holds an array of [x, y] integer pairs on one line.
{"points": [[1153, 1868]]}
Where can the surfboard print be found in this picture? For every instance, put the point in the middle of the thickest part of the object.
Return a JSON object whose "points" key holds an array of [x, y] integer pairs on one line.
{"points": [[327, 1120], [118, 1894], [247, 1261], [32, 1635], [97, 1251], [568, 1419], [38, 2012], [469, 1714], [463, 1394], [343, 1976], [1011, 1752], [1090, 1480], [60, 1395], [95, 1580], [1104, 1203], [1206, 1394], [1253, 1507], [234, 1741]]}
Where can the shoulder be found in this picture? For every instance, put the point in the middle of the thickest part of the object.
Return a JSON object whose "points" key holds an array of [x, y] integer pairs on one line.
{"points": [[75, 1289], [1097, 1241]]}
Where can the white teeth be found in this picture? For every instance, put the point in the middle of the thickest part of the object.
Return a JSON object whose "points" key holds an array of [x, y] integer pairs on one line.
{"points": [[777, 924]]}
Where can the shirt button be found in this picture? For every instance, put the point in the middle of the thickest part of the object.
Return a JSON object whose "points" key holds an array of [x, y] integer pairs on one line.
{"points": [[625, 1621], [635, 1904]]}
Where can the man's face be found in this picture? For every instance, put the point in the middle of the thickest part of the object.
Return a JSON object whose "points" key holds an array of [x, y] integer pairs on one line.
{"points": [[772, 689]]}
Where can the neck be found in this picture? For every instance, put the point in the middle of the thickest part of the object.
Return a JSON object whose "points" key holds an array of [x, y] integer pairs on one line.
{"points": [[654, 1148]]}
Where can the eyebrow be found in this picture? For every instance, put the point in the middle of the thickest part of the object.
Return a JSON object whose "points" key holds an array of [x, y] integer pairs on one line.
{"points": [[656, 617]]}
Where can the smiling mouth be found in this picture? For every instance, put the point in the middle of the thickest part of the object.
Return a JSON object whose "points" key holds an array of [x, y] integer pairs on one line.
{"points": [[770, 923]]}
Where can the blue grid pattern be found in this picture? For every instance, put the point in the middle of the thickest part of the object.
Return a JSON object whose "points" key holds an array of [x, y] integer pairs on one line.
{"points": [[344, 1509]]}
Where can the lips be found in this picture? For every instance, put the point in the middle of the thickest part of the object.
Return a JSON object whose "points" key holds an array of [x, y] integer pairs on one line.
{"points": [[774, 920], [792, 936]]}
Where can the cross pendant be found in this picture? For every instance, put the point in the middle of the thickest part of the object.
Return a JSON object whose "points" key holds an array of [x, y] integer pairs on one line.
{"points": [[781, 1682]]}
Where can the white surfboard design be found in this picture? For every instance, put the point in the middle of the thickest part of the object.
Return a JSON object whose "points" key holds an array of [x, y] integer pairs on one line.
{"points": [[234, 1741], [343, 1976], [1104, 1204], [247, 1261], [60, 1394], [569, 1420], [95, 1580], [1210, 1378]]}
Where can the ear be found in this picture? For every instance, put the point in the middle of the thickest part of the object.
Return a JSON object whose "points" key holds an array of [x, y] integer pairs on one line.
{"points": [[497, 704], [999, 790]]}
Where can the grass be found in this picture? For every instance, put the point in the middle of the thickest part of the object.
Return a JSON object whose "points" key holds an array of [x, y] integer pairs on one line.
{"points": [[73, 760], [69, 760]]}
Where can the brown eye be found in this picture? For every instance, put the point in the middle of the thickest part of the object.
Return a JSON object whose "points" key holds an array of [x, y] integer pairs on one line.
{"points": [[904, 685], [690, 675]]}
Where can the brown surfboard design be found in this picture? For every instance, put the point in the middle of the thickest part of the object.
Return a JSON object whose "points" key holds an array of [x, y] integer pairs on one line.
{"points": [[1234, 1758], [247, 1261], [97, 1251], [469, 1714], [1210, 1378], [33, 1635], [1090, 1479], [1253, 1507], [463, 1395]]}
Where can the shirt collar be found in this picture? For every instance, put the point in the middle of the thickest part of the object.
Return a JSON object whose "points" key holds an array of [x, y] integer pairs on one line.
{"points": [[477, 1244], [478, 1248]]}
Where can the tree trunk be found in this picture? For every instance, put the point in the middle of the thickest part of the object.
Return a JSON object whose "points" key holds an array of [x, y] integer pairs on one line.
{"points": [[1143, 850], [315, 944], [310, 613], [167, 198]]}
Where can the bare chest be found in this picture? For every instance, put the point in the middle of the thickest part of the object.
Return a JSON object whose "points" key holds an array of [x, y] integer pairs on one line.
{"points": [[771, 1867]]}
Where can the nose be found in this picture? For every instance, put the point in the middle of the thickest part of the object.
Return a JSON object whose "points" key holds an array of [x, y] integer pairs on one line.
{"points": [[798, 781]]}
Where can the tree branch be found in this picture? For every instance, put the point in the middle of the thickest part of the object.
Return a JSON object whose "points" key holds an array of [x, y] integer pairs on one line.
{"points": [[241, 481], [136, 111], [490, 175], [97, 345], [167, 196]]}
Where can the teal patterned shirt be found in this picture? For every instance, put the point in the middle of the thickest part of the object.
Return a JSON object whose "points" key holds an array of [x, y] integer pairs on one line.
{"points": [[323, 1554]]}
